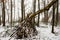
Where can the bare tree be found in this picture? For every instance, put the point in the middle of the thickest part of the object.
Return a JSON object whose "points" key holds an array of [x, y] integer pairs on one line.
{"points": [[11, 12], [57, 13], [3, 13], [53, 18], [22, 7], [38, 14]]}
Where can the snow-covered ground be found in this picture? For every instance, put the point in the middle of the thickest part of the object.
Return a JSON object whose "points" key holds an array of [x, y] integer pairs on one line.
{"points": [[44, 33]]}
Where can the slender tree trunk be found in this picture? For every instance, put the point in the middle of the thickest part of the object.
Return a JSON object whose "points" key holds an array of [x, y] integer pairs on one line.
{"points": [[24, 11], [14, 13], [18, 13], [14, 10], [11, 12], [3, 13], [34, 9], [38, 14], [0, 12], [22, 7], [53, 18], [8, 12], [57, 13], [0, 20]]}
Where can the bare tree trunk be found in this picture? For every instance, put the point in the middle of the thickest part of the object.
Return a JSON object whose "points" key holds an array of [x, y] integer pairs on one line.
{"points": [[53, 18], [8, 12], [14, 10], [11, 12], [38, 14], [34, 9], [14, 14], [3, 13], [18, 15], [57, 13], [22, 9], [0, 20]]}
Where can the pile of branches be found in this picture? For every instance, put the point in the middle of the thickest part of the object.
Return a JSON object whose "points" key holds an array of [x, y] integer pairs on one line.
{"points": [[26, 29]]}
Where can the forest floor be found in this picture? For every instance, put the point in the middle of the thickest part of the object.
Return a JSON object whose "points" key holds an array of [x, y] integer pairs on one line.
{"points": [[44, 33]]}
